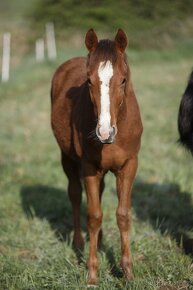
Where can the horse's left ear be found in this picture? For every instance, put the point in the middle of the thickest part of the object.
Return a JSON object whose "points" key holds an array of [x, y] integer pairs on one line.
{"points": [[121, 40], [91, 40]]}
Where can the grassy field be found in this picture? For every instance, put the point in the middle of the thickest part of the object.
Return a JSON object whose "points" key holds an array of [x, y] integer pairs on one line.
{"points": [[35, 214]]}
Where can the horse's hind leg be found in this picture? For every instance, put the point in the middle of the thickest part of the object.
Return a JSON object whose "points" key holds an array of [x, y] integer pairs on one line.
{"points": [[71, 168]]}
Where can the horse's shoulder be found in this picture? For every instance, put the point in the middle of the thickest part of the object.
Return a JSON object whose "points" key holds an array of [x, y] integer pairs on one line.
{"points": [[68, 74]]}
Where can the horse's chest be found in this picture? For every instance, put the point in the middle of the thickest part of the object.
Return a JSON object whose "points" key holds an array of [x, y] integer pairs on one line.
{"points": [[112, 157]]}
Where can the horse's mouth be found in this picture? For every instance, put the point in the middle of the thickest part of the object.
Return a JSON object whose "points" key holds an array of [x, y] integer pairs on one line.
{"points": [[107, 141]]}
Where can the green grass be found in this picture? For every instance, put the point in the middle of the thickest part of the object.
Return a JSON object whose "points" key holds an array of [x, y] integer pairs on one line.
{"points": [[35, 213]]}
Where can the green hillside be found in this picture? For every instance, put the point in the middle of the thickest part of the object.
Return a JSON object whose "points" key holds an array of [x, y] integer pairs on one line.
{"points": [[149, 23]]}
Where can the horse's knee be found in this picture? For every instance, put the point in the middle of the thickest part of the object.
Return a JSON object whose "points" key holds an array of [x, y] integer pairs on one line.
{"points": [[123, 218], [95, 219]]}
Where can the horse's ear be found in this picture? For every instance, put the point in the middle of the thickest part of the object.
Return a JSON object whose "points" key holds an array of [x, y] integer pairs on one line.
{"points": [[121, 40], [91, 40]]}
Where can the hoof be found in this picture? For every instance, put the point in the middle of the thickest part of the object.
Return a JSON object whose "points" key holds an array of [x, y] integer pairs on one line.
{"points": [[91, 286], [91, 283], [92, 280], [128, 274], [127, 269]]}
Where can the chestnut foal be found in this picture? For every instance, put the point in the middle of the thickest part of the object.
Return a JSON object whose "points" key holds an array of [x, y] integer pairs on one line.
{"points": [[97, 124]]}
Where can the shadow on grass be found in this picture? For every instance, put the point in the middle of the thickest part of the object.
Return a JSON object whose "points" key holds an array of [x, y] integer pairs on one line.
{"points": [[167, 209], [53, 205], [163, 205]]}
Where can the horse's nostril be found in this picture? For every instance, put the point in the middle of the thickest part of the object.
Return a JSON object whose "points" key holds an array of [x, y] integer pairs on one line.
{"points": [[97, 131], [113, 130], [106, 136]]}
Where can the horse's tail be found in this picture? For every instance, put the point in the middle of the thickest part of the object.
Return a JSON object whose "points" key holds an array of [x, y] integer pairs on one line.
{"points": [[185, 117]]}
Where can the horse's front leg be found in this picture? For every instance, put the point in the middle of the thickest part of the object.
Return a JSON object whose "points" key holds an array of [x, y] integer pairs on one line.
{"points": [[125, 178], [92, 178]]}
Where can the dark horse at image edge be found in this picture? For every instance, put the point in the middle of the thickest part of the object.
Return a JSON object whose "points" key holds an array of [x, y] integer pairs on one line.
{"points": [[96, 121], [185, 117]]}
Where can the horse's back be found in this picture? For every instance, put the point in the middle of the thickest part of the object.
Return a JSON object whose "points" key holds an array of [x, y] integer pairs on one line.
{"points": [[67, 85]]}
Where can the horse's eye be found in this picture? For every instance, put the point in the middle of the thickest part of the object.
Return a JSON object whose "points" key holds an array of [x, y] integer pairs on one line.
{"points": [[123, 81], [89, 82]]}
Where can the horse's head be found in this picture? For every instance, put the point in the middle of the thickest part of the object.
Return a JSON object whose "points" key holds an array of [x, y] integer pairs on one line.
{"points": [[107, 73]]}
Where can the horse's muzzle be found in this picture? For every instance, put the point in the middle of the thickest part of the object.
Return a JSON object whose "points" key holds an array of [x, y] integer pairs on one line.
{"points": [[111, 135]]}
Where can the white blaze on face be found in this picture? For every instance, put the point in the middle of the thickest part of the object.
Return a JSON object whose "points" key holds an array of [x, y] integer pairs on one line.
{"points": [[105, 73]]}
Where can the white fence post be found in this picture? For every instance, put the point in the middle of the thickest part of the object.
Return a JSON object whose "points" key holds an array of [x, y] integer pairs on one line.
{"points": [[51, 42], [40, 50], [6, 57]]}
